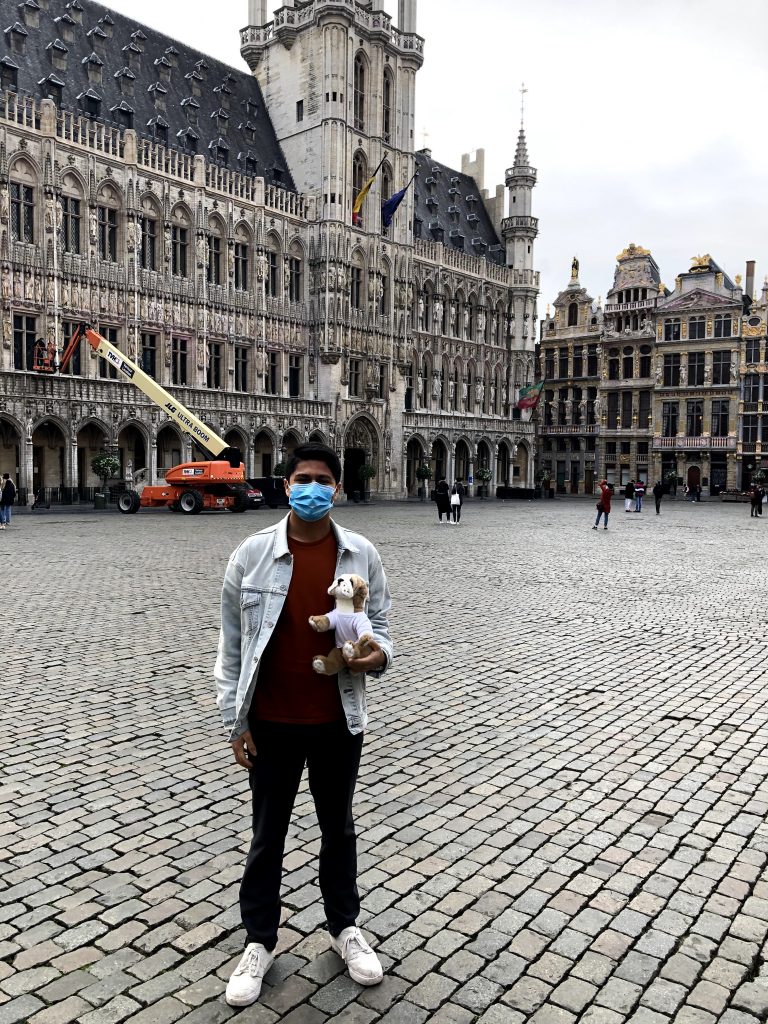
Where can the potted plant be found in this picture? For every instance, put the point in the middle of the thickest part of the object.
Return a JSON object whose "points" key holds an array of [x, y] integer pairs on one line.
{"points": [[484, 475], [366, 473], [423, 473], [105, 467], [671, 479]]}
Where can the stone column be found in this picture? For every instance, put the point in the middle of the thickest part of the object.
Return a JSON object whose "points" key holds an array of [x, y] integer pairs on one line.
{"points": [[70, 463], [153, 460], [26, 469]]}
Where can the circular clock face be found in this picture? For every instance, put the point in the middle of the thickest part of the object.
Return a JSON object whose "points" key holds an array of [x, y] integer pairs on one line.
{"points": [[754, 321]]}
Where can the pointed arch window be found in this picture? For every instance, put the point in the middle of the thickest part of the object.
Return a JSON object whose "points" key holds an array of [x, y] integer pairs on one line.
{"points": [[386, 189], [388, 98], [360, 74], [573, 315]]}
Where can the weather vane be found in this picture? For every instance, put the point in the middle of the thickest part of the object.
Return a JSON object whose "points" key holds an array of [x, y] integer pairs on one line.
{"points": [[523, 91]]}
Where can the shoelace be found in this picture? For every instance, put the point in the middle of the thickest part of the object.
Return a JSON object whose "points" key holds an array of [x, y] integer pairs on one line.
{"points": [[250, 963], [360, 944]]}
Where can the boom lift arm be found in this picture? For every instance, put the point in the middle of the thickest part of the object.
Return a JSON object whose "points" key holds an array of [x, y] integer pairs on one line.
{"points": [[210, 443]]}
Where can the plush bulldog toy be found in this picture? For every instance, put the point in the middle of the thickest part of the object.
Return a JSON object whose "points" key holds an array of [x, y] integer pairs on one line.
{"points": [[348, 618]]}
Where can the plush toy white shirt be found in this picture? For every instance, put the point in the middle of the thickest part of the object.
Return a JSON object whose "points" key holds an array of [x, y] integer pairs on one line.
{"points": [[349, 627]]}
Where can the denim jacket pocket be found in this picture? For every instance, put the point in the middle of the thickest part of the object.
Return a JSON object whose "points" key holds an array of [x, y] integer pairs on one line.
{"points": [[250, 610]]}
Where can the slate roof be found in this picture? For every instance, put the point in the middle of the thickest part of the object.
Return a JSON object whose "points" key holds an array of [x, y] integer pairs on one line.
{"points": [[449, 209], [228, 116]]}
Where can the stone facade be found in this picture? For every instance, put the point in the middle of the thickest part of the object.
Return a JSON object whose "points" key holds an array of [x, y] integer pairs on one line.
{"points": [[658, 384], [262, 308]]}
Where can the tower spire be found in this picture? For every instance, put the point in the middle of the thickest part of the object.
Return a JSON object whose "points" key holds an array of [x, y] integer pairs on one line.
{"points": [[521, 154]]}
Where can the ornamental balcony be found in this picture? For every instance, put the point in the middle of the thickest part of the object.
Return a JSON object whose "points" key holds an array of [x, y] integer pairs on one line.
{"points": [[570, 428], [686, 443], [628, 307]]}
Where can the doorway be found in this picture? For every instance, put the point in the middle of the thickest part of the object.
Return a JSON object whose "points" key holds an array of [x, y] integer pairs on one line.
{"points": [[693, 479], [354, 458]]}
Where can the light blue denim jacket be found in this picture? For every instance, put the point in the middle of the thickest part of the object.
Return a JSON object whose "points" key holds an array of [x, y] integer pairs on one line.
{"points": [[255, 586]]}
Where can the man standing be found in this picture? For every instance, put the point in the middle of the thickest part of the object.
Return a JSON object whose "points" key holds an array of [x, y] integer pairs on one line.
{"points": [[658, 494], [282, 716], [639, 495], [7, 498]]}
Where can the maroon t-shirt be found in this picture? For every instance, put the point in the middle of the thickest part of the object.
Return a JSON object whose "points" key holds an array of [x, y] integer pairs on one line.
{"points": [[288, 689]]}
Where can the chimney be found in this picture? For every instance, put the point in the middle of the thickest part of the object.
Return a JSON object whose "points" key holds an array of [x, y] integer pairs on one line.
{"points": [[749, 287]]}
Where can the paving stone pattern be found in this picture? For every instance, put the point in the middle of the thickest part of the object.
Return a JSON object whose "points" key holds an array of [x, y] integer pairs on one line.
{"points": [[562, 806]]}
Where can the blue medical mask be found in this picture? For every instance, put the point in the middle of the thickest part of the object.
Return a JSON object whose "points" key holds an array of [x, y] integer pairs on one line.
{"points": [[311, 501]]}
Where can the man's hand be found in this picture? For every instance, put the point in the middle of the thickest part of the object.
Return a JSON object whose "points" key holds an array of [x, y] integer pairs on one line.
{"points": [[244, 750], [370, 663]]}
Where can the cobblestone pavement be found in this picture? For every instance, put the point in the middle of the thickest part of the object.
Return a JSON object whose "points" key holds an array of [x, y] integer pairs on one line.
{"points": [[562, 809]]}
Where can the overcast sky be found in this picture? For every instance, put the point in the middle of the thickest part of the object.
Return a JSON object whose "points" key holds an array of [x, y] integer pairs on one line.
{"points": [[646, 121]]}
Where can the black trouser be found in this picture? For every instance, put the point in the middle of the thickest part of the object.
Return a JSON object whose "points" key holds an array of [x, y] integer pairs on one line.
{"points": [[332, 756], [658, 505], [456, 512]]}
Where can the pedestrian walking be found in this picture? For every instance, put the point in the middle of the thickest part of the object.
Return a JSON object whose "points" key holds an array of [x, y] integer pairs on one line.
{"points": [[755, 501], [658, 494], [281, 716], [639, 495], [7, 498], [457, 500], [629, 496], [443, 499], [604, 504]]}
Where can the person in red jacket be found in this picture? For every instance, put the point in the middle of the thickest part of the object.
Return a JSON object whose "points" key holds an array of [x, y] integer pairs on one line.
{"points": [[604, 505]]}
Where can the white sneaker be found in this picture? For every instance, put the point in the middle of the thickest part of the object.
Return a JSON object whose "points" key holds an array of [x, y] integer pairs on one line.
{"points": [[244, 987], [362, 963]]}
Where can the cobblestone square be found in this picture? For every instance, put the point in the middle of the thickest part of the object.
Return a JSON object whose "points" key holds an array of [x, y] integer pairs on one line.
{"points": [[562, 805]]}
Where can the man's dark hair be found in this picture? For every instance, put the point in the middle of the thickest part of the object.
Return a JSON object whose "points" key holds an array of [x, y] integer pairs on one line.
{"points": [[314, 453]]}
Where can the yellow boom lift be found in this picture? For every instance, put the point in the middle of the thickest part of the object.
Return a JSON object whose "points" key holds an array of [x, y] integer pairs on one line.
{"points": [[193, 486]]}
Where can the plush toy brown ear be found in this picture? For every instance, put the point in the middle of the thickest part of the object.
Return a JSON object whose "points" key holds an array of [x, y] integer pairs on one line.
{"points": [[359, 593]]}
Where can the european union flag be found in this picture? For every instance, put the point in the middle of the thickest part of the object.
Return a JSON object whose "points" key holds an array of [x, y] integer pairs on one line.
{"points": [[389, 208]]}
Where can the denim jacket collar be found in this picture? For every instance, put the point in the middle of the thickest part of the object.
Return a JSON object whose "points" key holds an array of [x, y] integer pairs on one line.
{"points": [[280, 547]]}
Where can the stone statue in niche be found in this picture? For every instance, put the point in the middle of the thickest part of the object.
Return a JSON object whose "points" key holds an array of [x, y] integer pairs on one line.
{"points": [[6, 286], [436, 386], [93, 223], [4, 205]]}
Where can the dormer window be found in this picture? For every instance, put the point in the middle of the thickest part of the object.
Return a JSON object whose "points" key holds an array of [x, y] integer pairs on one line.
{"points": [[158, 93], [248, 162], [471, 199], [224, 95], [431, 201], [163, 66], [277, 175], [219, 150], [98, 38], [75, 9], [222, 120], [58, 54], [138, 36], [126, 79], [249, 130], [90, 102], [52, 88], [17, 37], [436, 229], [473, 218], [30, 12], [191, 107], [158, 126], [65, 25], [431, 181], [417, 223], [133, 56], [93, 65], [194, 78], [479, 245], [9, 74], [108, 24], [188, 138], [252, 108], [123, 114], [454, 212], [172, 54], [202, 69]]}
